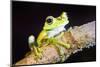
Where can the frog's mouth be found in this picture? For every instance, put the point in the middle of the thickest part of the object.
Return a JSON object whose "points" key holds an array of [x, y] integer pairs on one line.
{"points": [[62, 27], [49, 28]]}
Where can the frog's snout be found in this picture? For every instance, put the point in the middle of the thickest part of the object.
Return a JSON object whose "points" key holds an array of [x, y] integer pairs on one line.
{"points": [[31, 39]]}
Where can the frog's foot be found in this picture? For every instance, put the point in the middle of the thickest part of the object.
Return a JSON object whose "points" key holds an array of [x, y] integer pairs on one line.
{"points": [[38, 56], [60, 52], [37, 52], [40, 51], [62, 58]]}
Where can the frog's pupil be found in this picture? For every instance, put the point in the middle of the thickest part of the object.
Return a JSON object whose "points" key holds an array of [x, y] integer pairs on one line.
{"points": [[49, 20]]}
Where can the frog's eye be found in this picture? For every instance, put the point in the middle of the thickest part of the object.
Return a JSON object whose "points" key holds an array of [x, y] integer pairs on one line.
{"points": [[49, 19]]}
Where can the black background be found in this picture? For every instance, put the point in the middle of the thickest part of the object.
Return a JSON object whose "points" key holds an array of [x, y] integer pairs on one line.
{"points": [[28, 18]]}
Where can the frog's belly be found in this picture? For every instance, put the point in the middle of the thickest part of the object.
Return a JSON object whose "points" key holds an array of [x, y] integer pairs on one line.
{"points": [[56, 31]]}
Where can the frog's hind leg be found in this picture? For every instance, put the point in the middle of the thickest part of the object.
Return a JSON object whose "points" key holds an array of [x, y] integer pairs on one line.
{"points": [[66, 45], [59, 45], [60, 52]]}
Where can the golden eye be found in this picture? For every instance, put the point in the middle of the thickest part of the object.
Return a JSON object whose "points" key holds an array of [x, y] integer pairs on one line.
{"points": [[49, 20]]}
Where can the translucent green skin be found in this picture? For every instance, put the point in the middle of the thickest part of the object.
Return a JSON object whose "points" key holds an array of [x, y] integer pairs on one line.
{"points": [[49, 26]]}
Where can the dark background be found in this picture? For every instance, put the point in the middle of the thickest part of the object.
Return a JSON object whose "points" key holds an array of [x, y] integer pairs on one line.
{"points": [[28, 18]]}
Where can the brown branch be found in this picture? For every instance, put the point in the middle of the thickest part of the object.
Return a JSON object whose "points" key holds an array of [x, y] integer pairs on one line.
{"points": [[78, 37]]}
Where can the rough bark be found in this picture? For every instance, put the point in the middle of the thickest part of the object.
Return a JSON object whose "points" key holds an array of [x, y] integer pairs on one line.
{"points": [[78, 37]]}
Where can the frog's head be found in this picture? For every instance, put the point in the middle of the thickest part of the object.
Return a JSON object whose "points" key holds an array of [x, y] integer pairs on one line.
{"points": [[52, 22]]}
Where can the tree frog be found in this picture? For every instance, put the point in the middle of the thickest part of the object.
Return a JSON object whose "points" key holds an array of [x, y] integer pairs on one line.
{"points": [[53, 28]]}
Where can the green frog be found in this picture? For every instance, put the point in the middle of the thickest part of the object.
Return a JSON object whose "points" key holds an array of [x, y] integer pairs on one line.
{"points": [[53, 28]]}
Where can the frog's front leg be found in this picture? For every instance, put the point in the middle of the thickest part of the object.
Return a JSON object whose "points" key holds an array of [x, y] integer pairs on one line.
{"points": [[33, 47], [66, 45], [58, 45], [41, 36]]}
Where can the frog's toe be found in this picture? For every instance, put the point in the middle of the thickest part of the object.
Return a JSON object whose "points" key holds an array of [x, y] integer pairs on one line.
{"points": [[67, 45], [62, 58], [38, 56], [40, 50]]}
